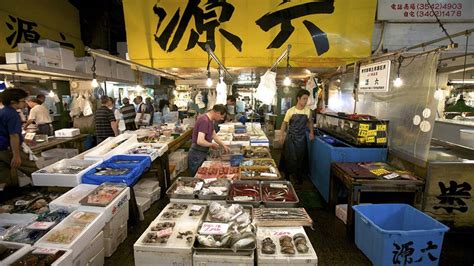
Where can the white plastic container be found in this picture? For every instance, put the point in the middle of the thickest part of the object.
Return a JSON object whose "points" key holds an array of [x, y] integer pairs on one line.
{"points": [[203, 259], [143, 205], [93, 253], [157, 149], [143, 258], [117, 223], [70, 200], [62, 180], [82, 240], [22, 249], [68, 61], [153, 195], [111, 244], [64, 260], [44, 52], [309, 258], [84, 64], [112, 209], [341, 212], [146, 185], [467, 137], [49, 43], [109, 149], [27, 48], [67, 132], [21, 58]]}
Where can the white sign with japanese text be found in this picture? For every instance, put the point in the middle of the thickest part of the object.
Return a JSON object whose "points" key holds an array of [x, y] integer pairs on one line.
{"points": [[375, 77], [420, 10]]}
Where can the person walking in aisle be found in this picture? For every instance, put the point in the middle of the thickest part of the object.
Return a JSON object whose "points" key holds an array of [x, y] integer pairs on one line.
{"points": [[40, 116], [150, 109], [203, 134], [294, 158], [11, 153], [128, 114], [105, 123]]}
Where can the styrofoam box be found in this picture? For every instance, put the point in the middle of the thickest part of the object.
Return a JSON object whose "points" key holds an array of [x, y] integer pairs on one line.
{"points": [[50, 62], [68, 61], [63, 180], [105, 151], [111, 244], [309, 258], [59, 153], [21, 58], [49, 43], [28, 48], [22, 250], [93, 253], [82, 241], [64, 260], [67, 132], [70, 200], [154, 195], [106, 142], [162, 258], [84, 64], [341, 212], [203, 259], [17, 218], [113, 227], [143, 205], [110, 211], [159, 147], [44, 52], [146, 185]]}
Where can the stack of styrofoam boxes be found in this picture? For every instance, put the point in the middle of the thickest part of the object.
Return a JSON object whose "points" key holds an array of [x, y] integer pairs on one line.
{"points": [[148, 188], [115, 214], [88, 247], [26, 55], [48, 53], [143, 205], [179, 158]]}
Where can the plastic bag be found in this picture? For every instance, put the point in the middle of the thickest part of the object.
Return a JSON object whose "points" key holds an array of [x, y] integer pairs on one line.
{"points": [[266, 90], [221, 90]]}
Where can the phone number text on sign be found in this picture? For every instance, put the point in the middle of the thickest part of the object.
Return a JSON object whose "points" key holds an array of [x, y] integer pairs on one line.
{"points": [[420, 10]]}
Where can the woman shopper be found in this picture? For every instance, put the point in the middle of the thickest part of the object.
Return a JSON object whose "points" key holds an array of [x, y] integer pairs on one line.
{"points": [[298, 120]]}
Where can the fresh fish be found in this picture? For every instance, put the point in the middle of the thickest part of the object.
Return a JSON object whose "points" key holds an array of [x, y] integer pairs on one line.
{"points": [[244, 240]]}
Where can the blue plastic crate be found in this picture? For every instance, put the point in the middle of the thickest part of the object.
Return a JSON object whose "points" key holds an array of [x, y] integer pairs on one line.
{"points": [[129, 178], [398, 234], [143, 165]]}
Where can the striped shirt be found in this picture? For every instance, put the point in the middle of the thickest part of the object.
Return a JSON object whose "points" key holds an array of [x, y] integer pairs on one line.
{"points": [[128, 113], [103, 117]]}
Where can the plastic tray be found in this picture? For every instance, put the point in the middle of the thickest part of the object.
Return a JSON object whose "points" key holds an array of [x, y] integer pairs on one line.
{"points": [[279, 204], [256, 202], [119, 187], [170, 191], [155, 149], [267, 160], [214, 196], [141, 161], [70, 200], [262, 169]]}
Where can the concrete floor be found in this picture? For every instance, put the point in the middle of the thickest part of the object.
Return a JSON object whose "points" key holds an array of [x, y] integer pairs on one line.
{"points": [[328, 236]]}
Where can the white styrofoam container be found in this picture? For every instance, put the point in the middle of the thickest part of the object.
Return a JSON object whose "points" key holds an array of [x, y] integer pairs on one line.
{"points": [[70, 200], [49, 43], [467, 137], [44, 52], [82, 241], [309, 258], [110, 211], [17, 218], [143, 258], [105, 151], [68, 61], [59, 153], [341, 212], [27, 48], [203, 259], [67, 132], [146, 185], [22, 250], [89, 253], [153, 195], [63, 180], [111, 244], [104, 143], [50, 62], [158, 149], [21, 58], [118, 222], [143, 205], [84, 64], [64, 260]]}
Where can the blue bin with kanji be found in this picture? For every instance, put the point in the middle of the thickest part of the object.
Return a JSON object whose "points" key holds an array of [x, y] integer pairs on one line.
{"points": [[398, 234]]}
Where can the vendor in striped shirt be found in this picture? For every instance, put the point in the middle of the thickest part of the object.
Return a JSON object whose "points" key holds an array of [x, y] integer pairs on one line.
{"points": [[128, 114]]}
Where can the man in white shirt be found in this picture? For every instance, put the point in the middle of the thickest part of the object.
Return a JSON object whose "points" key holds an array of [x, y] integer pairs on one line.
{"points": [[40, 116]]}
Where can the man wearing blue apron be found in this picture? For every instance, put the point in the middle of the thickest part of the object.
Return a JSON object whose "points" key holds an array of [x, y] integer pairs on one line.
{"points": [[294, 158], [203, 134]]}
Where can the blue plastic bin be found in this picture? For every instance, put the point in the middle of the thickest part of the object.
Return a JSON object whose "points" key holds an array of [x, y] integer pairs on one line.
{"points": [[143, 165], [129, 178], [398, 234]]}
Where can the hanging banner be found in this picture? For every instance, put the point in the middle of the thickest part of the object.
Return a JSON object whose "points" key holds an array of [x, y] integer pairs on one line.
{"points": [[421, 11], [375, 77], [173, 33], [29, 21]]}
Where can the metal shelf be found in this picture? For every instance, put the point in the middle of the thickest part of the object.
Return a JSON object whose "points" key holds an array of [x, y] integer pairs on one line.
{"points": [[42, 72]]}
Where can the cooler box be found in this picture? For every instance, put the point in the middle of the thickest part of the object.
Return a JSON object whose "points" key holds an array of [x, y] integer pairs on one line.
{"points": [[390, 234]]}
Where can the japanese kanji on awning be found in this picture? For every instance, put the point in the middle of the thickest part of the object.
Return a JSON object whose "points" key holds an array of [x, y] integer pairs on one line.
{"points": [[248, 33]]}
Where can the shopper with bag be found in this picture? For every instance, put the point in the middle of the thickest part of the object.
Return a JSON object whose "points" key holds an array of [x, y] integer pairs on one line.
{"points": [[294, 158], [203, 134], [105, 123], [142, 118]]}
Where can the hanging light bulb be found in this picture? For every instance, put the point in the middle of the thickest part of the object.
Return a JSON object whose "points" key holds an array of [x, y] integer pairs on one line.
{"points": [[287, 81], [209, 82], [51, 94], [398, 82], [94, 83], [138, 87]]}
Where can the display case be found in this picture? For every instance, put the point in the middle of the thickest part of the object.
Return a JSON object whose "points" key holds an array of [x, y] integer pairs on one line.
{"points": [[357, 130]]}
